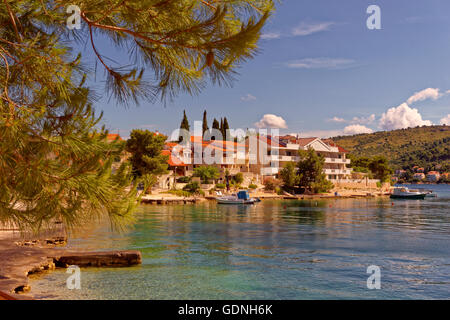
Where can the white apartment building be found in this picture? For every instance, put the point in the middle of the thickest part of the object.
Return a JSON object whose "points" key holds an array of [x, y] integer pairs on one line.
{"points": [[281, 150], [259, 155]]}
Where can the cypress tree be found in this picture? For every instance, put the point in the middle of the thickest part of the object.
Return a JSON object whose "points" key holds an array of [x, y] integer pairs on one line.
{"points": [[205, 123], [216, 124], [225, 128], [185, 123]]}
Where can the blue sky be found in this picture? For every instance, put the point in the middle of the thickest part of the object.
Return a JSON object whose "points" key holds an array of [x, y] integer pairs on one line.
{"points": [[322, 72]]}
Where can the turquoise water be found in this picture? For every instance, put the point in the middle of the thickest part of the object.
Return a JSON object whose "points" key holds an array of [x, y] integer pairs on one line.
{"points": [[273, 250]]}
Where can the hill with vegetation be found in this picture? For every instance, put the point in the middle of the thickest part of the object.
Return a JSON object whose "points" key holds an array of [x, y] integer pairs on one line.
{"points": [[427, 147]]}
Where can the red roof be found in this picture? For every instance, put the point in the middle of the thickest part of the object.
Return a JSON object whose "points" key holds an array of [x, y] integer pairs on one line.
{"points": [[113, 137], [333, 144], [173, 160]]}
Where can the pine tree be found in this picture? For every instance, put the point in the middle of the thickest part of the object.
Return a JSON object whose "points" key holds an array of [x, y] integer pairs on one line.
{"points": [[205, 123], [55, 161]]}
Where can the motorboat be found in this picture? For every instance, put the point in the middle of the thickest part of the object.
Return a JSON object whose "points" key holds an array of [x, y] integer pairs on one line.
{"points": [[242, 197], [429, 193], [405, 193]]}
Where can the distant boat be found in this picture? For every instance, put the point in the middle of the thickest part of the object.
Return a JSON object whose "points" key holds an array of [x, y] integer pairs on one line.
{"points": [[242, 197], [405, 193]]}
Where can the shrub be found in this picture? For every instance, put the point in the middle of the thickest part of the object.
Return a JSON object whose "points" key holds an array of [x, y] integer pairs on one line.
{"points": [[270, 184], [220, 186], [185, 179], [207, 173], [238, 178], [192, 187], [252, 186], [180, 193]]}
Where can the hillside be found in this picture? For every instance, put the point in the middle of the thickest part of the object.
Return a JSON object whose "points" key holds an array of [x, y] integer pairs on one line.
{"points": [[427, 147]]}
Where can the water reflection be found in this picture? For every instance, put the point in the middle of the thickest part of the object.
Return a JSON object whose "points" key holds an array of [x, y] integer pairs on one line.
{"points": [[276, 250]]}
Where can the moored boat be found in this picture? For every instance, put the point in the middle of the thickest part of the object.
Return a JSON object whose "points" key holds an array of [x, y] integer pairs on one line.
{"points": [[242, 197], [405, 193]]}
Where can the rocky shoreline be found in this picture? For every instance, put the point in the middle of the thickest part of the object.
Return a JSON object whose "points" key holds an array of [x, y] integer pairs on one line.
{"points": [[20, 258]]}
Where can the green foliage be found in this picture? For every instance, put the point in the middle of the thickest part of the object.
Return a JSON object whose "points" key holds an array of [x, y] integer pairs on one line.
{"points": [[55, 162], [145, 148], [179, 193], [207, 173], [216, 124], [252, 186], [205, 123], [380, 168], [185, 123], [149, 181], [193, 187], [289, 175], [310, 171], [238, 178], [185, 179], [225, 127], [377, 167], [220, 186], [271, 184], [427, 147]]}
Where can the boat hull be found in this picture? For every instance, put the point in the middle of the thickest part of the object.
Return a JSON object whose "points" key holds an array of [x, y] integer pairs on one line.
{"points": [[412, 196], [251, 201]]}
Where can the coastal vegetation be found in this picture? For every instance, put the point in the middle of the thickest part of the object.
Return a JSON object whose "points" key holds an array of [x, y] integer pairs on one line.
{"points": [[307, 173], [376, 167], [207, 173], [148, 162], [55, 160], [427, 147]]}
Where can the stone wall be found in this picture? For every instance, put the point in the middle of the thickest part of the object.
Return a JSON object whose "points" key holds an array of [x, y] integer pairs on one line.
{"points": [[356, 183]]}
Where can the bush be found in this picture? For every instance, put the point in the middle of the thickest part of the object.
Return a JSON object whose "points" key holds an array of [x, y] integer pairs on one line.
{"points": [[193, 187], [207, 173], [252, 186], [185, 179], [238, 178], [220, 186], [179, 193], [270, 184]]}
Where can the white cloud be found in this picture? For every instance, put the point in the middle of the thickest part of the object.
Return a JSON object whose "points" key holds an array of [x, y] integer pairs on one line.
{"points": [[446, 120], [402, 117], [336, 119], [363, 120], [319, 63], [356, 129], [271, 35], [271, 121], [305, 29], [429, 93], [248, 97]]}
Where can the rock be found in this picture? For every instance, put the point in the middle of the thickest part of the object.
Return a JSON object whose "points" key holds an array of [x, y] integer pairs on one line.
{"points": [[22, 289], [100, 259]]}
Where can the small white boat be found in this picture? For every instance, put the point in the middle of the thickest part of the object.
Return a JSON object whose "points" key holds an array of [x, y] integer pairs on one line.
{"points": [[242, 197], [405, 193]]}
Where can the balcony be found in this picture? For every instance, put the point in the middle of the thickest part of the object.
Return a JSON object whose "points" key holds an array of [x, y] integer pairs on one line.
{"points": [[282, 158], [337, 171], [269, 171], [337, 160]]}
